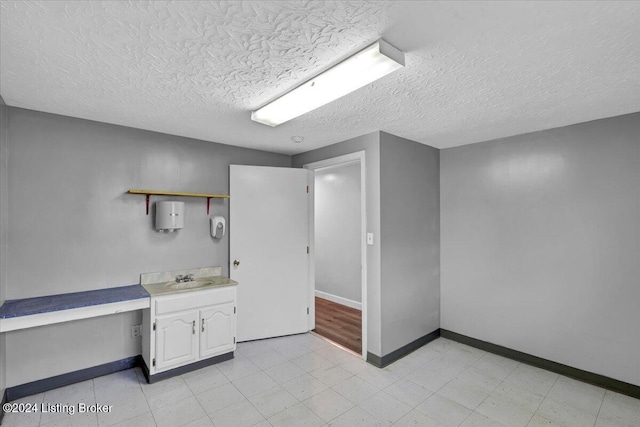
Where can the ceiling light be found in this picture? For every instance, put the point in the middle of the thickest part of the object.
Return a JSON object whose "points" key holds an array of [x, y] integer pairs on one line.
{"points": [[366, 66]]}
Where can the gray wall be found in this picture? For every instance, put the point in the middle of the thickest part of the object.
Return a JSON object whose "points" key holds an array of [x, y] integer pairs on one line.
{"points": [[4, 199], [410, 239], [338, 231], [370, 144], [541, 244], [73, 228]]}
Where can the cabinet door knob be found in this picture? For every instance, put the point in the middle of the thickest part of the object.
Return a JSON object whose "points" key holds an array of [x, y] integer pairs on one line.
{"points": [[236, 263], [194, 327], [202, 325]]}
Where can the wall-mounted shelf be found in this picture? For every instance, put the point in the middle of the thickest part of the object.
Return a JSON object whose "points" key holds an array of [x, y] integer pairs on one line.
{"points": [[179, 194]]}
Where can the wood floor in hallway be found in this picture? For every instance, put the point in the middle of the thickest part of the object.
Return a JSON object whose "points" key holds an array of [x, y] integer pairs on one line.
{"points": [[339, 323]]}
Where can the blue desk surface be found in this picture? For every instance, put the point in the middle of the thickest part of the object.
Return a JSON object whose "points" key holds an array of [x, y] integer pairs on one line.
{"points": [[46, 304]]}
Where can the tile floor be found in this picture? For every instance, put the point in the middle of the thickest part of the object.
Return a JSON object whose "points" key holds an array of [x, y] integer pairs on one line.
{"points": [[304, 381]]}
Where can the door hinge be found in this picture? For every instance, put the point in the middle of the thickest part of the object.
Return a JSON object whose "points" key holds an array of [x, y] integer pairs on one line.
{"points": [[307, 249], [234, 310], [307, 310], [154, 326], [307, 188], [154, 362]]}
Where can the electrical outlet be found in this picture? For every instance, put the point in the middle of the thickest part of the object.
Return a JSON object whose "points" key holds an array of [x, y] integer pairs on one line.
{"points": [[135, 331]]}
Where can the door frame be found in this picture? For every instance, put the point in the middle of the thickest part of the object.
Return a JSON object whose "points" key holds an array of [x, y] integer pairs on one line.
{"points": [[356, 157]]}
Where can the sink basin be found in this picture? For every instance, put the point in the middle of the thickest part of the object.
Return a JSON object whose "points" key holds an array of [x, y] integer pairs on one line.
{"points": [[191, 285]]}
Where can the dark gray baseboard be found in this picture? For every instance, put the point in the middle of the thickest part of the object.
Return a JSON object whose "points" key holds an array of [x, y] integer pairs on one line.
{"points": [[40, 386], [578, 374], [183, 369], [388, 359], [4, 400]]}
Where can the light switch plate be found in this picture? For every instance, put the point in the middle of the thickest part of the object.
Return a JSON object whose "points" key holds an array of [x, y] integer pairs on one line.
{"points": [[369, 239]]}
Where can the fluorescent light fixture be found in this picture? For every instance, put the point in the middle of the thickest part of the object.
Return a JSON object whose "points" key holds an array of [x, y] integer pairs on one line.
{"points": [[360, 69]]}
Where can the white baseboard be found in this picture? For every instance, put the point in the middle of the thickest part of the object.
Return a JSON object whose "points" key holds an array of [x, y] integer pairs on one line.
{"points": [[339, 300]]}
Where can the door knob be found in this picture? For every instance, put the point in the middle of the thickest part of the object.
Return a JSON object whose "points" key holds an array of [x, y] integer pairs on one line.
{"points": [[236, 263]]}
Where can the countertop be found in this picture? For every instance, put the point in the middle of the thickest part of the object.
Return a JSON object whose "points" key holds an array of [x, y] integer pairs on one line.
{"points": [[165, 288], [51, 303]]}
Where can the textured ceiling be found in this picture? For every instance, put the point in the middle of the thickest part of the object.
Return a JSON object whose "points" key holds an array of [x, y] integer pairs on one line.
{"points": [[474, 70]]}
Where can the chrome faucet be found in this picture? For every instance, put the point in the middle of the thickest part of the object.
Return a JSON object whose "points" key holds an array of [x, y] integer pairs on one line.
{"points": [[186, 278]]}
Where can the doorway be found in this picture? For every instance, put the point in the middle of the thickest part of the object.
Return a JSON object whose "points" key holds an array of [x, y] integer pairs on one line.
{"points": [[338, 238]]}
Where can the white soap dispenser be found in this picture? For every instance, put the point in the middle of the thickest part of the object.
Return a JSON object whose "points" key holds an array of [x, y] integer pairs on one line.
{"points": [[169, 216], [218, 226]]}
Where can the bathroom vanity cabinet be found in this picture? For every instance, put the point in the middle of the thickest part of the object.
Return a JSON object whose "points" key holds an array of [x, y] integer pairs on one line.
{"points": [[190, 328]]}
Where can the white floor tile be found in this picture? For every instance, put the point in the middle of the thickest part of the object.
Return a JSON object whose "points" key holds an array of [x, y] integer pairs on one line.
{"points": [[167, 392], [533, 379], [312, 362], [584, 397], [408, 392], [331, 376], [539, 421], [564, 414], [416, 418], [220, 397], [179, 413], [254, 384], [479, 420], [385, 407], [239, 415], [400, 368], [619, 410], [356, 417], [328, 404], [201, 422], [279, 341], [296, 416], [469, 389], [26, 419], [272, 401], [355, 389], [432, 379], [235, 369], [77, 420], [505, 411], [304, 381], [69, 396], [145, 420], [267, 359], [443, 410], [334, 354], [441, 344], [204, 379], [354, 364], [304, 386], [464, 354], [284, 372], [496, 366], [131, 406], [510, 405], [292, 350], [377, 377], [251, 348], [16, 419]]}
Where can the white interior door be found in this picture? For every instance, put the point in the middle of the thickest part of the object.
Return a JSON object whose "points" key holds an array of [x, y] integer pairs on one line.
{"points": [[269, 239]]}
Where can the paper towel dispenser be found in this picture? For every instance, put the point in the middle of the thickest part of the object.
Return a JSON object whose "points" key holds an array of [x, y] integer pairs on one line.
{"points": [[169, 216]]}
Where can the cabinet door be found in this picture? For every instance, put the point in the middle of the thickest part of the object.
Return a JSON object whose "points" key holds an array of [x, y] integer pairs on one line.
{"points": [[176, 340], [217, 330]]}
